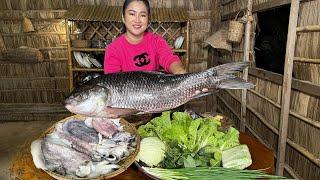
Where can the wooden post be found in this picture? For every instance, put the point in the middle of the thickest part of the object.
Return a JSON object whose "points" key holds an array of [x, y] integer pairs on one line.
{"points": [[286, 87], [68, 31], [245, 72], [188, 47]]}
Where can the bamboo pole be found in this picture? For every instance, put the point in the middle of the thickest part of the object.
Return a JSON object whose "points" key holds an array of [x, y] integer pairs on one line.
{"points": [[69, 55], [291, 172], [188, 47], [286, 88], [246, 71], [311, 28], [306, 60]]}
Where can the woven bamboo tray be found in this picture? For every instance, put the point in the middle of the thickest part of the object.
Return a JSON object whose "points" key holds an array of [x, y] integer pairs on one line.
{"points": [[124, 164]]}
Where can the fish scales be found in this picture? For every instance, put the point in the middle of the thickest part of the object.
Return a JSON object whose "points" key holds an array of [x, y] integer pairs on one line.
{"points": [[141, 90], [125, 93]]}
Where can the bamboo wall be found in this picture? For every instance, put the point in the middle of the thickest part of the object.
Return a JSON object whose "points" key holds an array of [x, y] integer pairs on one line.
{"points": [[264, 101], [45, 83]]}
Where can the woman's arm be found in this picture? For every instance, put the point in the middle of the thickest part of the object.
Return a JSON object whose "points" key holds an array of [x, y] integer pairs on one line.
{"points": [[177, 67], [112, 63]]}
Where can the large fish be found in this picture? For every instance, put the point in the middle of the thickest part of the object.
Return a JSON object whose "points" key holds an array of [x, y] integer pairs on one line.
{"points": [[126, 93]]}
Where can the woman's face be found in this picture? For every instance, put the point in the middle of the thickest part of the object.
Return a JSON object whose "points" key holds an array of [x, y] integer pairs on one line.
{"points": [[136, 18]]}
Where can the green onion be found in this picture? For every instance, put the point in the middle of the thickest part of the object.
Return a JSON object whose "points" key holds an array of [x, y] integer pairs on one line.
{"points": [[208, 173]]}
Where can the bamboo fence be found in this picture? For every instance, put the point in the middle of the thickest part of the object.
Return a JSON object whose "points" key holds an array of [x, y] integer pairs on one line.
{"points": [[302, 158]]}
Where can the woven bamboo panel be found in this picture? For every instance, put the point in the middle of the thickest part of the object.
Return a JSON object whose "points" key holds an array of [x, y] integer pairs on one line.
{"points": [[39, 14], [34, 40], [305, 105], [32, 4], [12, 117], [196, 67], [223, 108], [45, 69], [59, 83], [3, 47], [200, 5], [113, 14], [231, 101], [169, 4], [269, 137], [308, 15], [305, 135], [235, 5], [301, 165], [32, 96], [267, 110]]}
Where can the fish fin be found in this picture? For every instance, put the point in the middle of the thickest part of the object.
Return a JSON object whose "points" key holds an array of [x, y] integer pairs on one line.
{"points": [[230, 68], [235, 83], [201, 95], [114, 112]]}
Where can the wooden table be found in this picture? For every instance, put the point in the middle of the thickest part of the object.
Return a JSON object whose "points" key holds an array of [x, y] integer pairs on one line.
{"points": [[22, 166]]}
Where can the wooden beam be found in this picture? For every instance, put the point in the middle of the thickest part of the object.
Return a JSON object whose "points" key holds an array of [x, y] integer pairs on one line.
{"points": [[225, 2], [35, 10], [286, 87], [270, 5], [246, 71], [305, 152], [260, 7], [291, 172], [306, 60], [305, 119], [310, 28], [299, 85], [34, 34], [32, 108]]}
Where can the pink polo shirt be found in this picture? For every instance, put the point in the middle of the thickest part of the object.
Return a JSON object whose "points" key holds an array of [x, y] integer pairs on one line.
{"points": [[150, 54]]}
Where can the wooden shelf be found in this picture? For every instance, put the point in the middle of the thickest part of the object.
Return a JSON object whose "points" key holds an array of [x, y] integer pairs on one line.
{"points": [[108, 30], [102, 50], [88, 49], [179, 50], [87, 69]]}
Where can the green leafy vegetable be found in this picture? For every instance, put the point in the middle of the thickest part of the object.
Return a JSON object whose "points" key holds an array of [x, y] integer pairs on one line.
{"points": [[189, 142], [152, 151], [208, 173], [237, 157]]}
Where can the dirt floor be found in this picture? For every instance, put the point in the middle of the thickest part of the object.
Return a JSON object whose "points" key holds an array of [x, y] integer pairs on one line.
{"points": [[13, 135]]}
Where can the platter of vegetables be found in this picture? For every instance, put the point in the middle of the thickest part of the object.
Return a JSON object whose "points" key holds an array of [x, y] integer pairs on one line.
{"points": [[177, 146]]}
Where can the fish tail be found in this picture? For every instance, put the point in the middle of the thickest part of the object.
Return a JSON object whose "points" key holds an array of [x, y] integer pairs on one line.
{"points": [[235, 83], [224, 76], [228, 69]]}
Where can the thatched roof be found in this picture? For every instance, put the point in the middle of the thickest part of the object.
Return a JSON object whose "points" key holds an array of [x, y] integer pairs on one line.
{"points": [[113, 14]]}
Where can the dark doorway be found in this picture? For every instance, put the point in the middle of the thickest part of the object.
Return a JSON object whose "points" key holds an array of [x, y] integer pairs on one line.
{"points": [[271, 39]]}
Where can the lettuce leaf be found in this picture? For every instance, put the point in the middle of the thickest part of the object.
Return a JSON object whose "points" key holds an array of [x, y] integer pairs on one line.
{"points": [[190, 142]]}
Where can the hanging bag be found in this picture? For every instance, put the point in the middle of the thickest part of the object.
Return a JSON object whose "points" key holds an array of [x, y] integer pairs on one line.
{"points": [[235, 31]]}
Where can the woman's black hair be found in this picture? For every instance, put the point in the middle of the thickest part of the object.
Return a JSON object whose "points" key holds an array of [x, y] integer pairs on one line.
{"points": [[126, 4]]}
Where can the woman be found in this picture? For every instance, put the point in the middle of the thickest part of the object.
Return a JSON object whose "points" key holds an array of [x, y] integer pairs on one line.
{"points": [[137, 49]]}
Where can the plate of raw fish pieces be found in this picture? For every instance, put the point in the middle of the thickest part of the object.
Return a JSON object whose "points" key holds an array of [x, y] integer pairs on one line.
{"points": [[80, 147]]}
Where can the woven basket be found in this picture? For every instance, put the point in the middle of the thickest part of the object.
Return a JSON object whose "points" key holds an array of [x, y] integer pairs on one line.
{"points": [[124, 164], [81, 43], [235, 32]]}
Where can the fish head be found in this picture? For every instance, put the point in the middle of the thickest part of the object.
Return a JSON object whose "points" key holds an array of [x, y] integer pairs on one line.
{"points": [[88, 100]]}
